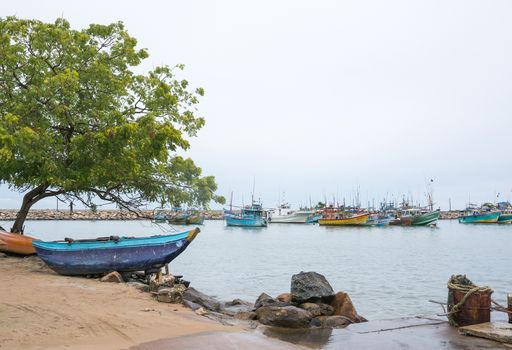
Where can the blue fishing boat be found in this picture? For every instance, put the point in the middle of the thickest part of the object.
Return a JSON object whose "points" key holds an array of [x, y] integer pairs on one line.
{"points": [[253, 216], [106, 254]]}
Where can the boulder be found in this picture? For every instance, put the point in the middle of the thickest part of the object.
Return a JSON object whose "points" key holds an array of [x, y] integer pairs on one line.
{"points": [[317, 309], [283, 316], [284, 297], [112, 277], [3, 255], [237, 302], [172, 295], [245, 315], [310, 286], [343, 307], [191, 305], [204, 300], [330, 322], [165, 281], [263, 300]]}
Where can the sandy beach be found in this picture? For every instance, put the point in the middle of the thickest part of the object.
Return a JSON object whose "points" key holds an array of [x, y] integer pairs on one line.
{"points": [[42, 310]]}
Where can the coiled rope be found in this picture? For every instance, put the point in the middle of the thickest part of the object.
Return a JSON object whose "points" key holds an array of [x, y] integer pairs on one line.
{"points": [[463, 284]]}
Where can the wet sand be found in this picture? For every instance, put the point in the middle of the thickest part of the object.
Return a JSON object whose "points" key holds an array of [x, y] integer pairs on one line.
{"points": [[42, 310]]}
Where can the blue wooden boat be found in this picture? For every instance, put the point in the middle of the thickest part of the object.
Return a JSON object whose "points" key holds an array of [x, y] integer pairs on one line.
{"points": [[480, 218], [106, 254], [253, 216]]}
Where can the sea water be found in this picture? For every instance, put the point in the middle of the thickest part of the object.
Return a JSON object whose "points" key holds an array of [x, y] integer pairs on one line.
{"points": [[388, 271]]}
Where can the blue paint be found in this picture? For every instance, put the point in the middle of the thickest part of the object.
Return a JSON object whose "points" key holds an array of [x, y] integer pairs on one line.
{"points": [[128, 254]]}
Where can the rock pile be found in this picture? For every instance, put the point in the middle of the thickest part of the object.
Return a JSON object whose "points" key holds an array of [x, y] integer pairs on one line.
{"points": [[311, 302]]}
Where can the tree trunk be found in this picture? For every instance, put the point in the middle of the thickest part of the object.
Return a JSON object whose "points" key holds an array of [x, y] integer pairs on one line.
{"points": [[29, 199]]}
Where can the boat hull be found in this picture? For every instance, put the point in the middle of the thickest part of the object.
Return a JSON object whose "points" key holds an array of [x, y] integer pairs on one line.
{"points": [[505, 219], [487, 218], [16, 244], [352, 221], [425, 219], [128, 254], [294, 218], [245, 222]]}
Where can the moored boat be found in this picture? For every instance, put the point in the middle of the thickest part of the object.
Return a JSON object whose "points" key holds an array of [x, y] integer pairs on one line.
{"points": [[16, 243], [287, 216], [378, 220], [424, 219], [253, 216], [505, 217], [189, 217], [106, 254], [480, 218], [344, 220]]}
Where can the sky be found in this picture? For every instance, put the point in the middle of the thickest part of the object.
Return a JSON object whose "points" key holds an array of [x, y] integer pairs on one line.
{"points": [[323, 99]]}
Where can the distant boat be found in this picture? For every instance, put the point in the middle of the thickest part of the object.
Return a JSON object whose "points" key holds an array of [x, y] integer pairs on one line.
{"points": [[159, 216], [189, 217], [16, 244], [284, 215], [415, 217], [106, 254], [480, 218], [505, 217], [379, 220], [253, 216], [333, 218]]}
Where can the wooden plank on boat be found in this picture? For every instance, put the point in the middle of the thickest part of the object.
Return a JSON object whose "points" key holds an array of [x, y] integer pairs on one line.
{"points": [[498, 331]]}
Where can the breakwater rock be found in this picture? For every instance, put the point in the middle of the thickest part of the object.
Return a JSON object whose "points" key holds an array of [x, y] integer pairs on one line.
{"points": [[51, 214]]}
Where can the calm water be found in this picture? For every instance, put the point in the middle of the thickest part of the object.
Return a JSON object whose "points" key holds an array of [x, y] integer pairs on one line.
{"points": [[388, 272]]}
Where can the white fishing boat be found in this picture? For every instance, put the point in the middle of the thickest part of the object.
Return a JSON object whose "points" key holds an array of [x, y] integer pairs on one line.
{"points": [[283, 214]]}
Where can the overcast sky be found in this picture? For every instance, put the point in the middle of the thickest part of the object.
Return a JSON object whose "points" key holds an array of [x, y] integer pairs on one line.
{"points": [[320, 98]]}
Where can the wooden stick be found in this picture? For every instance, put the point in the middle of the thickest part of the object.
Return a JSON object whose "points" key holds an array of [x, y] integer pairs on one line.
{"points": [[509, 302]]}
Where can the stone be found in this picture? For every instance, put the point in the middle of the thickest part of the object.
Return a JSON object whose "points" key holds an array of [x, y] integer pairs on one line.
{"points": [[343, 307], [317, 309], [310, 286], [283, 316], [284, 297], [237, 302], [172, 295], [245, 315], [263, 300], [201, 311], [191, 305], [3, 255], [166, 281], [112, 277], [330, 322], [204, 300]]}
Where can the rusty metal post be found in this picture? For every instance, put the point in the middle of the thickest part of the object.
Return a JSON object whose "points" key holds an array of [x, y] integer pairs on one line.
{"points": [[509, 305]]}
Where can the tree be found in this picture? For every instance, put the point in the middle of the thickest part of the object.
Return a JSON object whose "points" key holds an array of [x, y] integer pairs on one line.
{"points": [[78, 123]]}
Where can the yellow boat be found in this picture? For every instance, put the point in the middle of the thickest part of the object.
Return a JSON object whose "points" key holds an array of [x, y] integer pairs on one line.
{"points": [[347, 221]]}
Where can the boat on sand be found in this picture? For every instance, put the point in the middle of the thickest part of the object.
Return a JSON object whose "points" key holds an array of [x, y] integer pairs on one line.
{"points": [[106, 254], [15, 243]]}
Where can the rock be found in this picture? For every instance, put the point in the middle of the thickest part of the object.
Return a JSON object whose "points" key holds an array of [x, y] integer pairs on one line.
{"points": [[245, 315], [163, 295], [285, 297], [172, 295], [3, 255], [140, 286], [166, 281], [236, 302], [191, 305], [283, 316], [204, 300], [343, 307], [112, 277], [263, 300], [330, 322], [201, 311], [310, 286], [317, 309]]}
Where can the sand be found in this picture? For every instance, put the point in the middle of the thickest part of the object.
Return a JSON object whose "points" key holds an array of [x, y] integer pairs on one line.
{"points": [[42, 310]]}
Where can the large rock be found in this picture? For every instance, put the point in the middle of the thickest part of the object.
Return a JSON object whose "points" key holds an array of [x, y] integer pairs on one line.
{"points": [[172, 295], [245, 315], [266, 300], [310, 286], [283, 316], [317, 309], [204, 300], [165, 281], [330, 322], [343, 307], [112, 277], [284, 297]]}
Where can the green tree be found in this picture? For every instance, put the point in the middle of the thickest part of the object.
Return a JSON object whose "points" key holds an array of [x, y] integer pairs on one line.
{"points": [[77, 122]]}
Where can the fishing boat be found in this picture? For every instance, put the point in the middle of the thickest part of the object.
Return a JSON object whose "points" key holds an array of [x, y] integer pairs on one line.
{"points": [[477, 217], [252, 216], [505, 217], [335, 217], [16, 243], [106, 254], [416, 217], [159, 216], [284, 215], [426, 218], [378, 220], [189, 217]]}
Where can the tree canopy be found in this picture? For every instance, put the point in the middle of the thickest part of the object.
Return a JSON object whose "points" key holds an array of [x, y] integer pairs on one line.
{"points": [[77, 122]]}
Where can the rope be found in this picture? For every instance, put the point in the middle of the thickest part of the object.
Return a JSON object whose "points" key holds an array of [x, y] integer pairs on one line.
{"points": [[463, 284]]}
